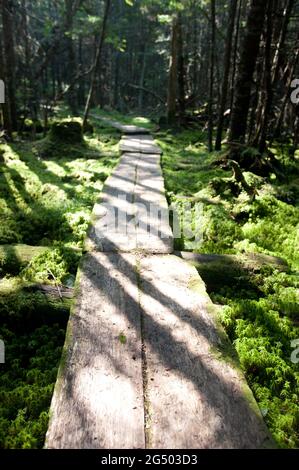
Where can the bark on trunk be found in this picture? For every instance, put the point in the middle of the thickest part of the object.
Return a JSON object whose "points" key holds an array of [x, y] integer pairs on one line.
{"points": [[173, 74], [6, 119], [249, 53], [181, 71], [227, 64], [268, 94], [212, 68], [97, 61], [72, 64], [9, 59]]}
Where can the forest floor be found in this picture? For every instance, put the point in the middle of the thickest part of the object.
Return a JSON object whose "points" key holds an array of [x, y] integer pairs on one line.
{"points": [[43, 202], [47, 201], [259, 306]]}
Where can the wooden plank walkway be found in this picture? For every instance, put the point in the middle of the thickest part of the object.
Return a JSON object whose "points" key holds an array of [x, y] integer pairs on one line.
{"points": [[98, 399], [196, 397], [139, 144], [124, 128], [132, 214], [145, 363]]}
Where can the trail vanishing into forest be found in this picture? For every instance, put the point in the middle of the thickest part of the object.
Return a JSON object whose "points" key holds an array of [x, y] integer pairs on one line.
{"points": [[143, 336]]}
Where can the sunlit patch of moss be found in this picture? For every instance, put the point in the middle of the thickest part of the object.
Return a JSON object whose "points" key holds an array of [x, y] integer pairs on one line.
{"points": [[260, 312], [46, 202], [39, 199]]}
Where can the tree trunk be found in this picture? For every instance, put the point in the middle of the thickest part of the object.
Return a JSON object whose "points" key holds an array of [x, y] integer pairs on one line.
{"points": [[141, 80], [281, 40], [249, 54], [235, 53], [227, 63], [9, 59], [195, 52], [7, 126], [173, 74], [279, 120], [81, 84], [72, 64], [181, 71], [27, 86], [212, 67], [116, 81], [268, 93], [97, 62]]}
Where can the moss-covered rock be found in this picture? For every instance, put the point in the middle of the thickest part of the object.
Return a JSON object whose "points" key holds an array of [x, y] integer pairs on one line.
{"points": [[65, 136], [67, 130]]}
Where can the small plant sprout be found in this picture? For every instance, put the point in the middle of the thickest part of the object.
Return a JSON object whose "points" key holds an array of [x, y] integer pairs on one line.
{"points": [[122, 338]]}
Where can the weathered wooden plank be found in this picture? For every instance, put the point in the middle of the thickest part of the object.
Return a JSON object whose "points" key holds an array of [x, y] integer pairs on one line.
{"points": [[111, 228], [143, 144], [138, 218], [195, 396], [98, 398], [125, 128]]}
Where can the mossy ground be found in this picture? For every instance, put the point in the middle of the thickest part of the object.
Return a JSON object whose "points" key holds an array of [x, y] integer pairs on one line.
{"points": [[260, 310], [46, 196], [47, 192]]}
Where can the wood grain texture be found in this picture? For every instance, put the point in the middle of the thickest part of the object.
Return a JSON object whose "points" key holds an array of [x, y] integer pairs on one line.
{"points": [[195, 396], [132, 214], [139, 143], [98, 398]]}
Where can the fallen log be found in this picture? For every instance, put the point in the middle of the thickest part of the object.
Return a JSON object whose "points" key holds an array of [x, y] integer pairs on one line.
{"points": [[15, 257], [33, 305], [231, 270], [52, 293]]}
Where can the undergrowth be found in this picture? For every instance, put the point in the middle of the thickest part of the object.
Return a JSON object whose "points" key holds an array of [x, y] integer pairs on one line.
{"points": [[47, 192], [261, 318]]}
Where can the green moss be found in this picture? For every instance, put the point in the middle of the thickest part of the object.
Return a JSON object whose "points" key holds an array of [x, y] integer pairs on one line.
{"points": [[32, 328], [15, 257], [66, 131], [58, 265], [43, 203], [260, 306], [26, 385], [197, 285]]}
